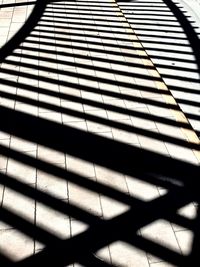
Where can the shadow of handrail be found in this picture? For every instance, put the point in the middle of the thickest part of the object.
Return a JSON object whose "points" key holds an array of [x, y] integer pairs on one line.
{"points": [[27, 61]]}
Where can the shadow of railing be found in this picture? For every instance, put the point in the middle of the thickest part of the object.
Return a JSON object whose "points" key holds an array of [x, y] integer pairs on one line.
{"points": [[173, 46], [76, 106]]}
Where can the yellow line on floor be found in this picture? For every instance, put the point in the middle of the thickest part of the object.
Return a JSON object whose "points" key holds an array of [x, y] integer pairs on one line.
{"points": [[189, 134]]}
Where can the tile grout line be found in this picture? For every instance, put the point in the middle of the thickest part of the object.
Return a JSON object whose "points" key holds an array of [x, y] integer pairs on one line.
{"points": [[189, 134]]}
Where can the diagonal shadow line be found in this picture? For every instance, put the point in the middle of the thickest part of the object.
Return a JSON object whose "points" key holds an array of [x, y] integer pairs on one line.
{"points": [[108, 44], [191, 69], [82, 86], [88, 57], [26, 227], [76, 99], [25, 190], [179, 77], [84, 76], [188, 29], [173, 24], [109, 122], [96, 50], [76, 142], [193, 117], [36, 232], [59, 205], [194, 255], [127, 222], [86, 116], [17, 4], [163, 37], [163, 252], [81, 11], [24, 31], [98, 35], [156, 19], [108, 70], [105, 26], [169, 183], [55, 243], [78, 75], [156, 4], [193, 40], [59, 9], [105, 60], [58, 19], [84, 182], [96, 15], [173, 42], [92, 260], [154, 178], [73, 74], [66, 19], [84, 66], [192, 102], [189, 90], [85, 24]]}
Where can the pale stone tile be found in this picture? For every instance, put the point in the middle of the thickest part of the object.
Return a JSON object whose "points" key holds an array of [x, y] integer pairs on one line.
{"points": [[19, 204], [95, 126], [173, 131], [87, 200], [160, 232], [141, 189], [4, 135], [52, 221], [143, 123], [15, 244], [185, 240], [111, 178], [108, 135], [49, 99], [160, 111], [52, 184], [92, 95], [52, 116], [48, 85], [182, 153], [8, 103], [20, 171], [22, 145], [112, 208], [113, 115], [123, 254], [153, 144], [50, 155], [80, 166], [189, 211], [69, 91], [125, 136], [25, 108], [72, 106], [78, 227], [80, 125], [103, 255]]}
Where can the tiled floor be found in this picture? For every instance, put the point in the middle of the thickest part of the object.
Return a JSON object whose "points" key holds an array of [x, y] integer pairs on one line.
{"points": [[98, 167]]}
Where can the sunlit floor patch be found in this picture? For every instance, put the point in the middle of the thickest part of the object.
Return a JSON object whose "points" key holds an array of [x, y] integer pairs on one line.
{"points": [[15, 245], [123, 254], [160, 232]]}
